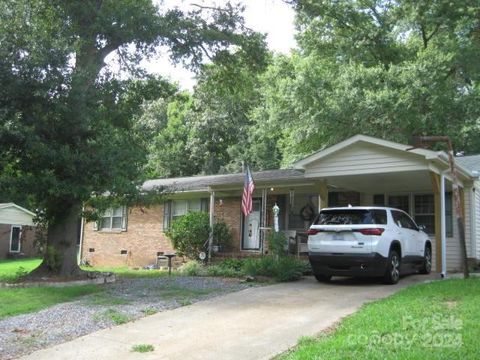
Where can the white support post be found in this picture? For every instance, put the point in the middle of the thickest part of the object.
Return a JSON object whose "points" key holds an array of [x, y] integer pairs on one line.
{"points": [[443, 232], [80, 247], [473, 224], [212, 219], [264, 218]]}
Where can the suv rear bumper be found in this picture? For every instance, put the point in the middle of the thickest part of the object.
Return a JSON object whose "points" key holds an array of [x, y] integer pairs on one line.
{"points": [[370, 264]]}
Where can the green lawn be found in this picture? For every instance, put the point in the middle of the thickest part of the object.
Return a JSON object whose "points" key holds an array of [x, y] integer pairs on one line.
{"points": [[10, 270], [438, 320], [24, 300], [15, 301]]}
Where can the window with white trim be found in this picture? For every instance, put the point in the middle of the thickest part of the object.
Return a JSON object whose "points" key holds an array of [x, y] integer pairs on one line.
{"points": [[15, 236], [174, 209], [425, 211], [113, 219]]}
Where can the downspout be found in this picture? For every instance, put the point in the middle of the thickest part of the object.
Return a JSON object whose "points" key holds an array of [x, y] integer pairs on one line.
{"points": [[211, 223], [80, 246], [263, 221], [473, 222], [443, 228]]}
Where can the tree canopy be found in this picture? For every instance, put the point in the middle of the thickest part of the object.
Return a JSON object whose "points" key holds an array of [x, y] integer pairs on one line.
{"points": [[382, 68], [66, 124], [376, 67]]}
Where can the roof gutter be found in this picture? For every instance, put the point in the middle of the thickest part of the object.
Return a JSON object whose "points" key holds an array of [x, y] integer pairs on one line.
{"points": [[464, 171]]}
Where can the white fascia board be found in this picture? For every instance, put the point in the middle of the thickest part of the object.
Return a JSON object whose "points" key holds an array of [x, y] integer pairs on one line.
{"points": [[361, 138]]}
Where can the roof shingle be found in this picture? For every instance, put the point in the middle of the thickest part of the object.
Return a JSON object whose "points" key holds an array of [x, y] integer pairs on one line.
{"points": [[203, 182]]}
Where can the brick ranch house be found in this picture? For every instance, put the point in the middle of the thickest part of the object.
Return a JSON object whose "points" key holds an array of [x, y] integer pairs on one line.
{"points": [[361, 170], [17, 232]]}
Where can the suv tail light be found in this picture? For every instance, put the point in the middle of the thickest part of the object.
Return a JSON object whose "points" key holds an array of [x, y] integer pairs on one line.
{"points": [[313, 231], [371, 231]]}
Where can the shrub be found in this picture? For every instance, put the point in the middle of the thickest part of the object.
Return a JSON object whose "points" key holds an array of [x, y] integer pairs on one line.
{"points": [[189, 234], [217, 270], [222, 235], [290, 269], [234, 264], [277, 243], [192, 268], [281, 268]]}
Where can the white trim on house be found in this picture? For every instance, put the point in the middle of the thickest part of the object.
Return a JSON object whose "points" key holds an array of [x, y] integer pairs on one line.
{"points": [[111, 215], [19, 239], [11, 213], [443, 227], [424, 154], [7, 205]]}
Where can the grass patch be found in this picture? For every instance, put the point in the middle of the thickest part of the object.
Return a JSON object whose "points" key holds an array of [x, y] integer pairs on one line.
{"points": [[24, 300], [142, 348], [149, 311], [12, 270], [115, 316], [438, 320]]}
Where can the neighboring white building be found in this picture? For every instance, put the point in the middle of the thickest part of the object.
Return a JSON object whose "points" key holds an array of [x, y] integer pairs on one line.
{"points": [[17, 231]]}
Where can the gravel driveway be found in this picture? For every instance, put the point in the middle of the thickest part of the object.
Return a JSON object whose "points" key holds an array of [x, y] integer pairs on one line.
{"points": [[122, 301]]}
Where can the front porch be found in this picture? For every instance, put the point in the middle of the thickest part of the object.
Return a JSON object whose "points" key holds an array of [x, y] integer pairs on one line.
{"points": [[418, 193]]}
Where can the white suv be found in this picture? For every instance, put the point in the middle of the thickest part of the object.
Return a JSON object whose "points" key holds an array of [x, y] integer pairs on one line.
{"points": [[367, 241]]}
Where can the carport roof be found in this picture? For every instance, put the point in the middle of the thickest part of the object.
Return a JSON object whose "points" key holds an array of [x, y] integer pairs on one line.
{"points": [[198, 183]]}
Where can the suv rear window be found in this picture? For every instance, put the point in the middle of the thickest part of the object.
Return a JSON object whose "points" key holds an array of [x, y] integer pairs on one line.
{"points": [[351, 217]]}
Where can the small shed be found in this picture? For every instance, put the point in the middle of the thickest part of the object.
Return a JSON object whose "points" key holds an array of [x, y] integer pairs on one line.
{"points": [[17, 231]]}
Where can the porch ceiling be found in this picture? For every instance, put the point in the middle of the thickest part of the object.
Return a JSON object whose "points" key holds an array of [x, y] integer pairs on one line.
{"points": [[409, 181]]}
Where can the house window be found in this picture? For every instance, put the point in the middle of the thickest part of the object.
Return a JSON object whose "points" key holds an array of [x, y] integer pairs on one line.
{"points": [[113, 219], [425, 212], [181, 207], [303, 211], [448, 214], [174, 209], [399, 202], [379, 200], [15, 235]]}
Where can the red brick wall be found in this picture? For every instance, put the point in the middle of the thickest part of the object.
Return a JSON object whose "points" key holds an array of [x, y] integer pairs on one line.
{"points": [[230, 212], [144, 236], [27, 247], [142, 240]]}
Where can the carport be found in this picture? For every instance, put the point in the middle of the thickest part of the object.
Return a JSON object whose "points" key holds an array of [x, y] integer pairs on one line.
{"points": [[384, 173]]}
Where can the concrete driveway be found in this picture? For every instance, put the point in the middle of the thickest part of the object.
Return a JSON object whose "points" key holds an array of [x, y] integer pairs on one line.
{"points": [[256, 323]]}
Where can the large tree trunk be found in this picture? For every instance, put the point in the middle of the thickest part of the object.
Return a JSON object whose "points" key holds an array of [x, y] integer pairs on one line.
{"points": [[60, 252]]}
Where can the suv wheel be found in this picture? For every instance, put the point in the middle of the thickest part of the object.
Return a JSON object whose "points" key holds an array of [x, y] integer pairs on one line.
{"points": [[392, 273], [323, 278], [427, 261]]}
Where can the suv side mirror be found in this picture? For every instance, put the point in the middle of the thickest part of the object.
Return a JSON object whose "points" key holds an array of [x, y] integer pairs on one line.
{"points": [[421, 228]]}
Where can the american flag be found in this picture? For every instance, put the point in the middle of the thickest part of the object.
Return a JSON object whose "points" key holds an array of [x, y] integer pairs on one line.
{"points": [[248, 188]]}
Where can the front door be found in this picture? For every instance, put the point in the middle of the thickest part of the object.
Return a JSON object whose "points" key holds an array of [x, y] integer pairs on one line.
{"points": [[251, 227]]}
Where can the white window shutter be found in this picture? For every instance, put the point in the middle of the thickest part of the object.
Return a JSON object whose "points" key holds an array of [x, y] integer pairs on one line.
{"points": [[124, 218]]}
